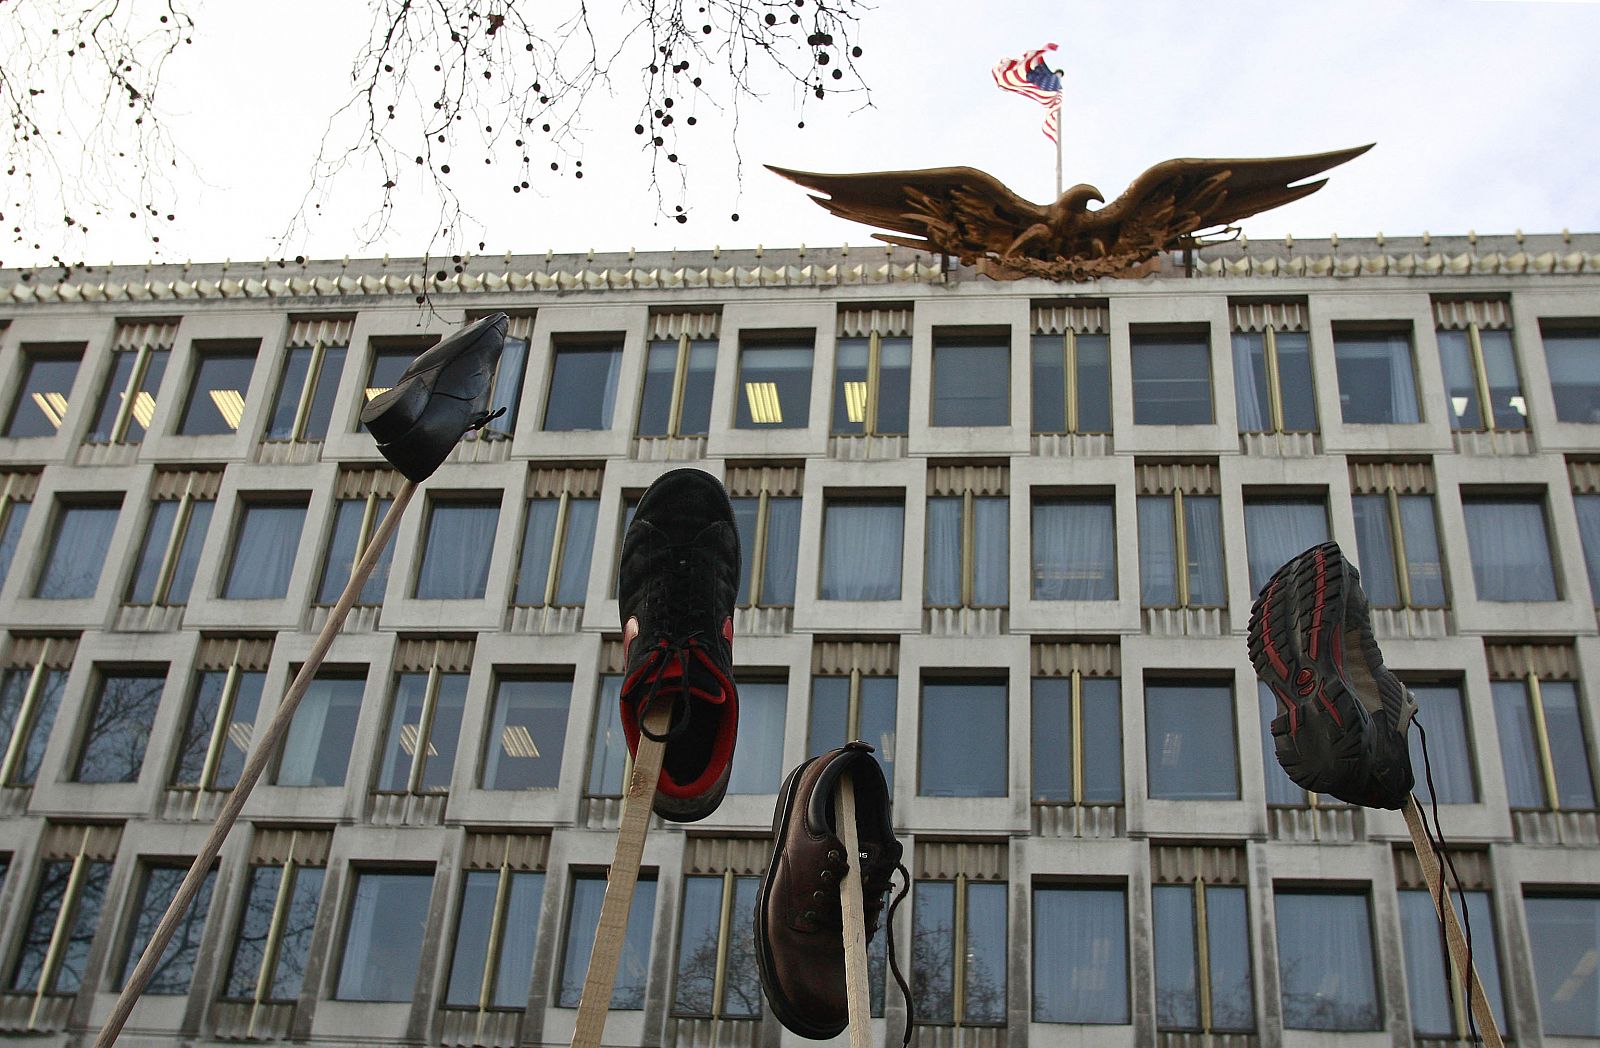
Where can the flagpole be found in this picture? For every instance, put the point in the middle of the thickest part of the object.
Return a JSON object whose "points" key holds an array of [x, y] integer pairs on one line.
{"points": [[1060, 131]]}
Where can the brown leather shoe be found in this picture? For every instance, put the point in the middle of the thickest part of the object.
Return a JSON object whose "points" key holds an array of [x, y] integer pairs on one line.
{"points": [[799, 929]]}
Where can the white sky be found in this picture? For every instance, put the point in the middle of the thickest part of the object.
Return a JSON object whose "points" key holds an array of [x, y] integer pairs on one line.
{"points": [[1483, 112]]}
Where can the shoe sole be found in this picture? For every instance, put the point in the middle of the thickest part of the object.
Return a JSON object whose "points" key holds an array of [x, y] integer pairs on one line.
{"points": [[765, 962], [1323, 736]]}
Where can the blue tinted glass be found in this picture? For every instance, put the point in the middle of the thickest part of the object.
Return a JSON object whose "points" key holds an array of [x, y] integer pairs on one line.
{"points": [[83, 537], [383, 942], [962, 739], [583, 387]]}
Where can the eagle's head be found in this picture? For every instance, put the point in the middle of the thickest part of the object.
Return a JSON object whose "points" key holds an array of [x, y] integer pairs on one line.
{"points": [[1076, 200]]}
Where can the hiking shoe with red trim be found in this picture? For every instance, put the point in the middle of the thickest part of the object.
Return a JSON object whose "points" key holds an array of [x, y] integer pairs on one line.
{"points": [[676, 590], [1342, 729]]}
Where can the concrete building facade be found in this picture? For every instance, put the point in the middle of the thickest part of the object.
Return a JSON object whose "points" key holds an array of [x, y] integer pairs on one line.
{"points": [[1008, 532]]}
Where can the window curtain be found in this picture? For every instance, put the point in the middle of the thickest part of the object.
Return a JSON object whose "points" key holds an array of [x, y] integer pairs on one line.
{"points": [[472, 938], [1507, 406], [1564, 933], [1228, 944], [1460, 384], [1424, 563], [1375, 544], [1519, 754], [1376, 380], [508, 385], [1568, 750], [455, 562], [694, 413], [1573, 359], [746, 521], [984, 1000], [577, 552], [1427, 985], [83, 535], [1049, 355], [861, 551], [944, 552], [1052, 739], [991, 555], [583, 918], [655, 405], [1251, 390], [783, 551], [697, 946], [1588, 510], [1449, 751], [609, 755], [1158, 552], [1094, 384], [194, 540], [1177, 980], [1190, 743], [538, 542], [1203, 537], [1102, 740], [1510, 550], [264, 552], [962, 742], [1080, 955], [1325, 963], [516, 947], [1278, 530], [758, 759], [153, 551], [1296, 391], [384, 943], [933, 961]]}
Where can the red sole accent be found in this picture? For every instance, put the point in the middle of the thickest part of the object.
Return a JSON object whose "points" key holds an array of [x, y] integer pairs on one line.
{"points": [[1266, 634], [1322, 597]]}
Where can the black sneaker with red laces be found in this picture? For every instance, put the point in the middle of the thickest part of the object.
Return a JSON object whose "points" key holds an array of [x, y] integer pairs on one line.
{"points": [[1342, 730], [676, 590]]}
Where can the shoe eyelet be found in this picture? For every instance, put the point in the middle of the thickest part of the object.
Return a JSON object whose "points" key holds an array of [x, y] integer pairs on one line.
{"points": [[820, 896], [836, 856], [827, 876], [811, 915]]}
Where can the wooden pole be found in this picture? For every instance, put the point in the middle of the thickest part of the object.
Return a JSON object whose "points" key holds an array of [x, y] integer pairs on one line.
{"points": [[858, 992], [262, 751], [620, 881], [1452, 928]]}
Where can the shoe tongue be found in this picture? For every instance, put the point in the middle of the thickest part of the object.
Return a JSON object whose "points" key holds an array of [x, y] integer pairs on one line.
{"points": [[703, 683]]}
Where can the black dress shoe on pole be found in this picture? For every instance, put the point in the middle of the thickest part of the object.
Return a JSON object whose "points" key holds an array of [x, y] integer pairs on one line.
{"points": [[435, 401]]}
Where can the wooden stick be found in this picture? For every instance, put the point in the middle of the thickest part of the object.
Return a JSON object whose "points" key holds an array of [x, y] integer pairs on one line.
{"points": [[612, 930], [1452, 928], [858, 991], [262, 751]]}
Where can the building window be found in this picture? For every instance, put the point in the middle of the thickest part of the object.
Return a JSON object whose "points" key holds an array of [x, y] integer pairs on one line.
{"points": [[1074, 549], [1544, 744], [1587, 508], [1080, 954], [1203, 979], [557, 548], [505, 392], [1281, 790], [54, 955], [16, 495], [971, 380], [41, 404], [1077, 740], [390, 358], [1377, 378], [1562, 932], [583, 386], [1191, 741], [1436, 991], [766, 512], [774, 386], [958, 968], [78, 550], [609, 760], [217, 394], [1397, 535], [963, 738], [968, 551], [419, 749], [872, 373], [30, 696], [273, 941], [221, 724], [316, 750], [264, 548], [717, 976], [496, 927], [526, 734], [1180, 551], [630, 506], [1276, 530], [175, 969], [1480, 368], [1441, 709], [1510, 544], [1071, 377], [118, 728], [138, 361], [758, 759], [855, 707], [1325, 962], [383, 941], [583, 918], [458, 549], [1272, 382], [169, 556], [1573, 359], [1171, 378], [679, 374], [355, 521], [310, 380], [861, 550]]}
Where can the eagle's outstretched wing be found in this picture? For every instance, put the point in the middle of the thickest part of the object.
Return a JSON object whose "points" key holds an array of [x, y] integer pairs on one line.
{"points": [[957, 210], [1178, 198]]}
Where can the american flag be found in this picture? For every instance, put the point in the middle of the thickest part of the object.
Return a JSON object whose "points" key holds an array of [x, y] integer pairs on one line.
{"points": [[1030, 77]]}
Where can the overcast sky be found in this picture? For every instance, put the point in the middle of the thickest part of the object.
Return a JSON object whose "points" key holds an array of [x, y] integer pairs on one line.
{"points": [[1483, 112]]}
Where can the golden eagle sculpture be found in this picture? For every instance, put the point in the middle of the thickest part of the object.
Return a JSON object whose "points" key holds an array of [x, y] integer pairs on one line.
{"points": [[968, 214]]}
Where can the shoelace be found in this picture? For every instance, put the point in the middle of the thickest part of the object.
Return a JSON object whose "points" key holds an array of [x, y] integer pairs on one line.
{"points": [[656, 663], [483, 418], [894, 964]]}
